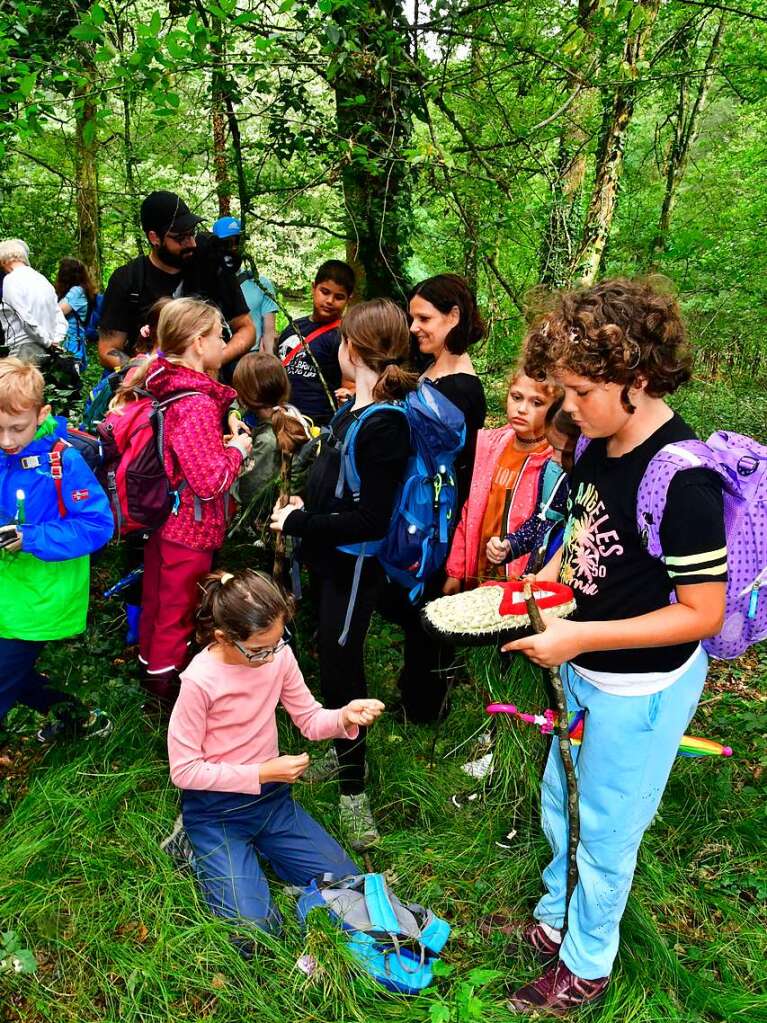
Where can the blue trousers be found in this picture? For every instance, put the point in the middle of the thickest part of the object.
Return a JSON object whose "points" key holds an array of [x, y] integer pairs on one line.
{"points": [[628, 750], [21, 683], [229, 831]]}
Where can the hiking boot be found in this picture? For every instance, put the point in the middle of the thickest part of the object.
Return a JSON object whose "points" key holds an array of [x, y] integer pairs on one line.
{"points": [[526, 935], [324, 768], [178, 846], [358, 821], [557, 992], [95, 726], [321, 768]]}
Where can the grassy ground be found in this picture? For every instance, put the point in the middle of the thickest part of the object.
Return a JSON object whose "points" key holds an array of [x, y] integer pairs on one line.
{"points": [[119, 936]]}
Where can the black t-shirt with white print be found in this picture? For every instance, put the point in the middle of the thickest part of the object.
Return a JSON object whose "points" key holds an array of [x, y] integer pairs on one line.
{"points": [[604, 561]]}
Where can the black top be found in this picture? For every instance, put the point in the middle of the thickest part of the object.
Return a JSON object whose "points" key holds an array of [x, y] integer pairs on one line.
{"points": [[306, 390], [147, 282], [605, 561], [467, 393], [381, 450]]}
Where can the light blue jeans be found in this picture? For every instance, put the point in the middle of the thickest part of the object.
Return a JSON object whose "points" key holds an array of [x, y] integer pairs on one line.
{"points": [[628, 750]]}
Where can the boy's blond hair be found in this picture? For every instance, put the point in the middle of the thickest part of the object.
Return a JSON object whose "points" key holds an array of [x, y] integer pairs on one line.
{"points": [[22, 386]]}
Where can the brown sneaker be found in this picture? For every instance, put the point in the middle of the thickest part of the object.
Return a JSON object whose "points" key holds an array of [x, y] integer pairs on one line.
{"points": [[556, 993]]}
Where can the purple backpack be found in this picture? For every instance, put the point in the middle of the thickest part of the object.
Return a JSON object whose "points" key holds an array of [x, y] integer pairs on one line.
{"points": [[741, 464]]}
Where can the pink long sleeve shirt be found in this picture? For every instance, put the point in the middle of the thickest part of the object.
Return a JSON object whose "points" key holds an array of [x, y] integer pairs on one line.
{"points": [[223, 726]]}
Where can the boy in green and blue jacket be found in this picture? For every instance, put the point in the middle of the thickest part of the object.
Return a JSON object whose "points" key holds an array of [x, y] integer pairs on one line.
{"points": [[53, 516]]}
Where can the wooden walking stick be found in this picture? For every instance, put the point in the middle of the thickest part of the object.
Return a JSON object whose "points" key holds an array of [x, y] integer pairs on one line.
{"points": [[565, 751], [286, 464]]}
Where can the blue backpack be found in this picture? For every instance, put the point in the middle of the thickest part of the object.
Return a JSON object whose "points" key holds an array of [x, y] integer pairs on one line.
{"points": [[417, 541], [397, 944]]}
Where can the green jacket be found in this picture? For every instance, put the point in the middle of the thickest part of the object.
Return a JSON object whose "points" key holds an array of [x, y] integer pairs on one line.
{"points": [[44, 586]]}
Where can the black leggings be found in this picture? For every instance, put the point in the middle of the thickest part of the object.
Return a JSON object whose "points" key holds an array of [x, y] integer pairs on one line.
{"points": [[428, 661], [342, 668]]}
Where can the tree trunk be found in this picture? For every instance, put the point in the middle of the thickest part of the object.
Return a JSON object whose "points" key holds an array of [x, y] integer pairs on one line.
{"points": [[618, 115], [218, 119], [373, 119], [86, 172], [563, 225], [686, 130]]}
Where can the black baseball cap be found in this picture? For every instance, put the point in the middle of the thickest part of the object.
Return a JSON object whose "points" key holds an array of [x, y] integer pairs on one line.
{"points": [[165, 211]]}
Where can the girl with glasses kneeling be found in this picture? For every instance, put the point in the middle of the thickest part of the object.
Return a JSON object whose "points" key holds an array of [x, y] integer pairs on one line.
{"points": [[222, 745]]}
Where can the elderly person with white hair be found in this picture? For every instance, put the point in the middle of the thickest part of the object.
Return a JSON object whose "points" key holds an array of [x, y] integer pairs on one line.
{"points": [[30, 317]]}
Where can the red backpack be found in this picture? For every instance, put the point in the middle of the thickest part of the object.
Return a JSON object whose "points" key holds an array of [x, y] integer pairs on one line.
{"points": [[132, 471]]}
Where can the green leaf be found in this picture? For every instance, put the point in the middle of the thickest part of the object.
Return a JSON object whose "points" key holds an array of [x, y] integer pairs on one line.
{"points": [[439, 1013], [25, 961], [174, 43], [480, 977], [27, 84], [287, 5], [442, 969], [85, 32], [103, 54], [333, 32], [98, 15], [155, 23], [325, 6], [172, 99]]}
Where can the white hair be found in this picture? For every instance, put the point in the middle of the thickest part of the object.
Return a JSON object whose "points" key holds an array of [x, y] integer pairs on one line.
{"points": [[14, 249]]}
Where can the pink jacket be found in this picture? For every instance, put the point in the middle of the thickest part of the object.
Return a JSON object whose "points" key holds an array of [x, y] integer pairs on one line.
{"points": [[223, 726], [194, 451], [463, 560]]}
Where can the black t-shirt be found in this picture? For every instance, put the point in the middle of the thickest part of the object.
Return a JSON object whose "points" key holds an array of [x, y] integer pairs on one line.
{"points": [[142, 278], [306, 390], [467, 393], [381, 451], [605, 562]]}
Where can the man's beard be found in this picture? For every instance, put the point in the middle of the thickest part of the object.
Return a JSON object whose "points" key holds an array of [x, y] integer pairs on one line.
{"points": [[176, 259]]}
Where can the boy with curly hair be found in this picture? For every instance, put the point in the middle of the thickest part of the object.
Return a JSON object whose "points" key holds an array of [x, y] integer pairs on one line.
{"points": [[53, 515], [631, 655]]}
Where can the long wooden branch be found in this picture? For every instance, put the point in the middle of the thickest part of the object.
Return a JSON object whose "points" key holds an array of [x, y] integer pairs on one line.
{"points": [[566, 753]]}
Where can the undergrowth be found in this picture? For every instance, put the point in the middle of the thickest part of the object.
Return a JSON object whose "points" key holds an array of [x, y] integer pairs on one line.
{"points": [[120, 936]]}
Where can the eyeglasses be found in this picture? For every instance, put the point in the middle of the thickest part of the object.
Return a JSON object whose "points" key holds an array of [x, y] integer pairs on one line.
{"points": [[186, 236], [263, 653]]}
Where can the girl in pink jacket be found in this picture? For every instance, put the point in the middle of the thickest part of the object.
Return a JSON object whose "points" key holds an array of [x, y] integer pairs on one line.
{"points": [[201, 465], [223, 749], [504, 485]]}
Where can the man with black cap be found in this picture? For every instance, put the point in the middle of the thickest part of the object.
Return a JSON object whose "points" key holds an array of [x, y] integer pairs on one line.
{"points": [[173, 268]]}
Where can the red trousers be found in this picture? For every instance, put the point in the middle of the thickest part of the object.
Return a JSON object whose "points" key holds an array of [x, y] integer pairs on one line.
{"points": [[170, 596]]}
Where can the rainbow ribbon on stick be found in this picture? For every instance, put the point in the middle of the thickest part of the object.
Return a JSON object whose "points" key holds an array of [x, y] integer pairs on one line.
{"points": [[690, 745]]}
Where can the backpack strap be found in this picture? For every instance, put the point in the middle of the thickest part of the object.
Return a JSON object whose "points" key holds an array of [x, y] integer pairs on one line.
{"points": [[348, 474], [304, 342], [55, 457], [580, 446], [652, 494]]}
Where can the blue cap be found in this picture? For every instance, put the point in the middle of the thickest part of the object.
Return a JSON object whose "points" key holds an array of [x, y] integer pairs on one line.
{"points": [[227, 227]]}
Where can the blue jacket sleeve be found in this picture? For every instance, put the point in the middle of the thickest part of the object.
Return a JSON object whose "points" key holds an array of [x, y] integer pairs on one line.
{"points": [[537, 531], [88, 524]]}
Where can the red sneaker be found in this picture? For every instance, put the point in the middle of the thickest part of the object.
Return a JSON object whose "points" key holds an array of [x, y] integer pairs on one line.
{"points": [[556, 993]]}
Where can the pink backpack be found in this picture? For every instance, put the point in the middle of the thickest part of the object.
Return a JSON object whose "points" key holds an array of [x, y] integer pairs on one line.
{"points": [[132, 472], [741, 464]]}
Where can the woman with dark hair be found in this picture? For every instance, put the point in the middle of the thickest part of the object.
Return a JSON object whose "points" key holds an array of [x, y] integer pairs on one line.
{"points": [[76, 293], [445, 322]]}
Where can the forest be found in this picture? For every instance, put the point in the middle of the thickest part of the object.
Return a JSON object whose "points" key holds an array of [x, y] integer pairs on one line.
{"points": [[527, 146]]}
